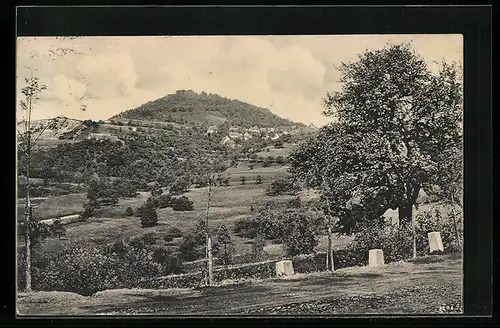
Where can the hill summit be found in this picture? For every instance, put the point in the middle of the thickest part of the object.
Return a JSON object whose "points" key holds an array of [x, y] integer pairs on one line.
{"points": [[186, 106]]}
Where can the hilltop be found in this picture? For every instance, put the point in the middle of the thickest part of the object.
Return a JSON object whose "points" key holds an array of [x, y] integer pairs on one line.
{"points": [[191, 107]]}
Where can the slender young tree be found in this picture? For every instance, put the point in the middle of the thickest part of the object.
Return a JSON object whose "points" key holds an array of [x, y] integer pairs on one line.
{"points": [[28, 136], [212, 189]]}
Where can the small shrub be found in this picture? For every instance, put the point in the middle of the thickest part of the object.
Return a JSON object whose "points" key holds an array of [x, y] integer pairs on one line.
{"points": [[148, 215], [180, 186], [294, 203], [168, 238], [149, 239], [175, 232], [258, 248], [286, 186], [129, 211], [242, 179], [171, 263], [227, 249], [258, 179], [164, 201], [190, 249], [246, 227], [182, 204], [300, 235]]}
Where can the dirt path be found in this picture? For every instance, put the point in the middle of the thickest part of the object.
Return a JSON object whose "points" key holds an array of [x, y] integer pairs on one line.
{"points": [[394, 289]]}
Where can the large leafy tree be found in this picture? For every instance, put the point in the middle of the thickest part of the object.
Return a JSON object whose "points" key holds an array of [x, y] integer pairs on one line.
{"points": [[393, 121]]}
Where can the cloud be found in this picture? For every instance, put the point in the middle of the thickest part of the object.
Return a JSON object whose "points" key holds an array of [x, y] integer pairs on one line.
{"points": [[289, 74]]}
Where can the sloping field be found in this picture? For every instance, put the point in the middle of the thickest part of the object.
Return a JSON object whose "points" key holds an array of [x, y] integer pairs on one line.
{"points": [[421, 287]]}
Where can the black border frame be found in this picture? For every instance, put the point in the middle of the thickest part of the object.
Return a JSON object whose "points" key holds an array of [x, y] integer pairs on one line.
{"points": [[474, 22]]}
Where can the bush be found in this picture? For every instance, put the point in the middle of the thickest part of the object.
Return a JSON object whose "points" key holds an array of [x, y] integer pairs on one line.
{"points": [[294, 203], [88, 211], [258, 248], [149, 239], [182, 204], [300, 235], [271, 225], [242, 179], [180, 186], [397, 241], [129, 211], [227, 248], [246, 227], [168, 238], [148, 215], [433, 220], [170, 262], [286, 186], [280, 160], [175, 232], [156, 190], [266, 163], [258, 179], [346, 258], [189, 248], [88, 270], [201, 182], [164, 201]]}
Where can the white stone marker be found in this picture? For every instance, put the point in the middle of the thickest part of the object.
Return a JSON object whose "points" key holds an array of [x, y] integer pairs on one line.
{"points": [[375, 257], [284, 268], [435, 242]]}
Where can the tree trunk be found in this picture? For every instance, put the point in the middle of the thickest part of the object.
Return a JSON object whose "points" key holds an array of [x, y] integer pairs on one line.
{"points": [[28, 216], [406, 213], [455, 223], [330, 249], [210, 266], [28, 246], [414, 233]]}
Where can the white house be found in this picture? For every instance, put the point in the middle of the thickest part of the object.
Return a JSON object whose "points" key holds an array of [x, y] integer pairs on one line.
{"points": [[247, 136], [270, 129], [235, 135], [275, 137], [254, 129], [102, 136], [228, 142], [263, 130], [233, 129], [211, 130]]}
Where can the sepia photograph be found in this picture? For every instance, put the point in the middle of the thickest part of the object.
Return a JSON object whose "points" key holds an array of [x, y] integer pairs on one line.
{"points": [[239, 175]]}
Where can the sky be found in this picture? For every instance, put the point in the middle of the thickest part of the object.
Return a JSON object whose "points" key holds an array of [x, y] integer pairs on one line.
{"points": [[289, 75]]}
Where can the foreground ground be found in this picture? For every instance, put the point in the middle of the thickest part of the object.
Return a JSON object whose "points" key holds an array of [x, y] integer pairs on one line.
{"points": [[420, 287]]}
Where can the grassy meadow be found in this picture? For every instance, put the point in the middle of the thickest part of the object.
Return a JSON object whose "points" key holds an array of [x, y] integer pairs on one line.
{"points": [[229, 204]]}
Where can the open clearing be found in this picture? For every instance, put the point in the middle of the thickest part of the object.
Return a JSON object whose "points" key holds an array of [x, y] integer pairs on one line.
{"points": [[420, 287], [229, 204]]}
